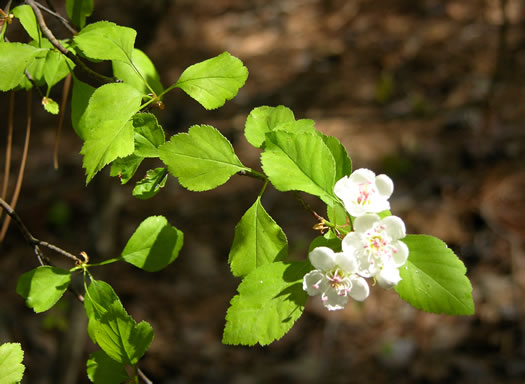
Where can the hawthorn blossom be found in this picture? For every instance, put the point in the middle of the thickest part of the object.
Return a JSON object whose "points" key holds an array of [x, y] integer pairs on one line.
{"points": [[376, 248], [364, 192], [334, 278]]}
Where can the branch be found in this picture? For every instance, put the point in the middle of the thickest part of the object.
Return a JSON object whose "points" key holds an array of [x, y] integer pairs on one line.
{"points": [[65, 93], [4, 16], [9, 145], [308, 207], [33, 241], [47, 32], [143, 376], [20, 177], [61, 18]]}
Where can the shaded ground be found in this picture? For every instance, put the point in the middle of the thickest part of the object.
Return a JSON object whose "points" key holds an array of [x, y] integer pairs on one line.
{"points": [[430, 92]]}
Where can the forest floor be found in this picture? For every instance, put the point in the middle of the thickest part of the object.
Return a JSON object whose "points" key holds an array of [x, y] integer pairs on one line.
{"points": [[431, 93]]}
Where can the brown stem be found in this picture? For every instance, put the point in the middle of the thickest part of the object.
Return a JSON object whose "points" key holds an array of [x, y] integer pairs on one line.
{"points": [[18, 186], [9, 144], [47, 32], [501, 60], [33, 84], [143, 376], [5, 13], [65, 93], [33, 241], [307, 207], [51, 10]]}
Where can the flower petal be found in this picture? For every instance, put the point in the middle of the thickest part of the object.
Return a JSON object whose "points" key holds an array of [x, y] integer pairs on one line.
{"points": [[388, 276], [354, 209], [362, 175], [365, 222], [385, 185], [342, 187], [378, 205], [395, 227], [400, 257], [352, 243], [322, 258], [333, 301], [346, 261], [360, 289], [314, 283]]}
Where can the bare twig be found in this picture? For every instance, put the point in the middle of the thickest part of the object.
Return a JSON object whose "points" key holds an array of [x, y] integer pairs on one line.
{"points": [[65, 93], [51, 10], [27, 235], [33, 84], [9, 145], [18, 186], [33, 241], [50, 5], [501, 60], [3, 12], [143, 376], [308, 207], [47, 32], [36, 243]]}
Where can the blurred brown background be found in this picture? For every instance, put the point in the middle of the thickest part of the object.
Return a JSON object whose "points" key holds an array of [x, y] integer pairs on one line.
{"points": [[431, 92]]}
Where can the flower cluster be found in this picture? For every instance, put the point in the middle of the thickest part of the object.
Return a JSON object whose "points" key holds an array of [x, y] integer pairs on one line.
{"points": [[372, 250]]}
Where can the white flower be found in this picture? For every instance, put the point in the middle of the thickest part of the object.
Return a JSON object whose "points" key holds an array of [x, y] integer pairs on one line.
{"points": [[334, 278], [364, 192], [375, 245]]}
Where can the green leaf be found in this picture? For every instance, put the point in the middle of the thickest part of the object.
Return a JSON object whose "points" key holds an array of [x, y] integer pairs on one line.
{"points": [[258, 240], [343, 164], [115, 101], [214, 81], [433, 278], [125, 167], [111, 135], [201, 159], [28, 20], [154, 245], [384, 213], [119, 336], [14, 59], [11, 357], [262, 120], [56, 67], [50, 105], [108, 141], [148, 135], [99, 296], [48, 67], [42, 287], [78, 10], [299, 162], [337, 216], [105, 40], [270, 300], [82, 92], [36, 70], [101, 369], [321, 241], [150, 185], [298, 126], [139, 74]]}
